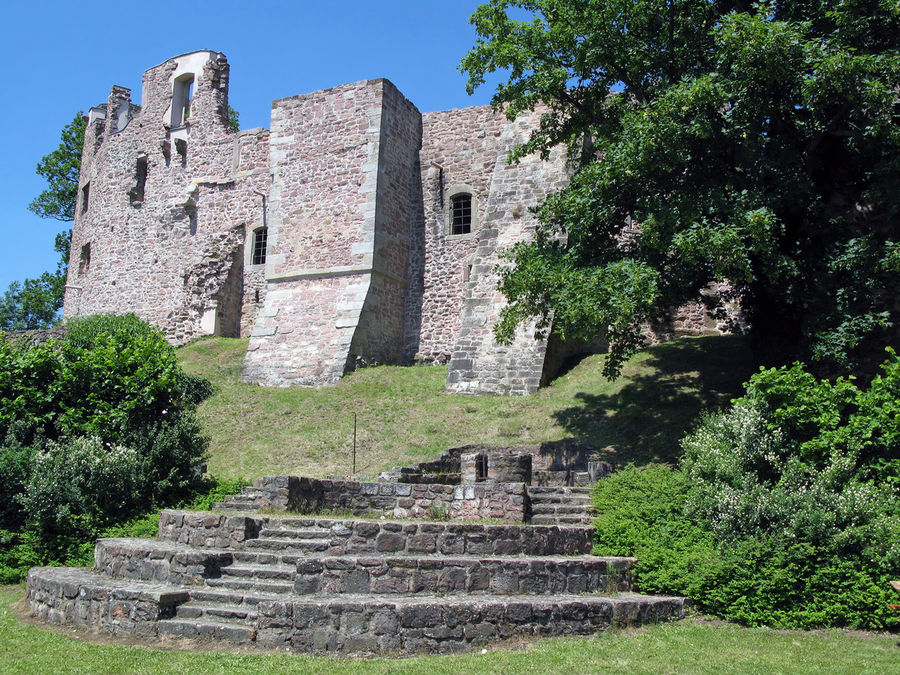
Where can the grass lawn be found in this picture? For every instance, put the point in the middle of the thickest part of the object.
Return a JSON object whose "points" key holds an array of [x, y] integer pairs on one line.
{"points": [[690, 646], [404, 416]]}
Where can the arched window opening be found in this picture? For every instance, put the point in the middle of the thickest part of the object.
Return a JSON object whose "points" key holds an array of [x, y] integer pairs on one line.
{"points": [[260, 240], [461, 213], [182, 93]]}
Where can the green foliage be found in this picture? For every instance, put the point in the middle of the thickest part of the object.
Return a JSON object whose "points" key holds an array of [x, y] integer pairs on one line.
{"points": [[61, 169], [753, 144], [34, 303], [785, 510], [234, 119], [79, 486], [97, 427]]}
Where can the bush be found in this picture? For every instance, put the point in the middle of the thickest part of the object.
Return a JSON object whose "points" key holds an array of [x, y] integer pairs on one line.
{"points": [[784, 512], [97, 428], [78, 487]]}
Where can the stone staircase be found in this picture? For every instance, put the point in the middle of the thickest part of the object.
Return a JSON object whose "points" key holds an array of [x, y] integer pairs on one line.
{"points": [[354, 585], [559, 505]]}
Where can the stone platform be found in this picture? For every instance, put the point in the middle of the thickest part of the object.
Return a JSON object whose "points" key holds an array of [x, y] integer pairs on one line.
{"points": [[349, 585]]}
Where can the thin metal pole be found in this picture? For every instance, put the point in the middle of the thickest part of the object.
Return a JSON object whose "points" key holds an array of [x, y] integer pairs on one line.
{"points": [[354, 444]]}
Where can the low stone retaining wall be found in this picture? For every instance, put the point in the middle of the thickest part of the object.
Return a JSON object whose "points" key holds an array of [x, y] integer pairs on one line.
{"points": [[505, 501], [78, 597], [449, 624], [356, 537], [152, 560], [208, 530], [475, 576]]}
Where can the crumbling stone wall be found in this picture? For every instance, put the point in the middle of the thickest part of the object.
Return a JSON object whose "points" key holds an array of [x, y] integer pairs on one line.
{"points": [[355, 188], [460, 149], [163, 209]]}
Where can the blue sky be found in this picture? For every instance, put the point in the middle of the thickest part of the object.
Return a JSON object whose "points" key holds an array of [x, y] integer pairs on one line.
{"points": [[62, 57]]}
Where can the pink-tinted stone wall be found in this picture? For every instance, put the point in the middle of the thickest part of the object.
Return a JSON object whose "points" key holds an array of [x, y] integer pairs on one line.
{"points": [[172, 252]]}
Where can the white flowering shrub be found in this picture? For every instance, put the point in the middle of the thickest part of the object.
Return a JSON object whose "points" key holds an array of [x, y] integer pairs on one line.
{"points": [[79, 486]]}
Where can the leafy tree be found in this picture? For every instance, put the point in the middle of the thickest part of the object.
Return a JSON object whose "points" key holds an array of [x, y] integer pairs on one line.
{"points": [[35, 303], [755, 144], [61, 169]]}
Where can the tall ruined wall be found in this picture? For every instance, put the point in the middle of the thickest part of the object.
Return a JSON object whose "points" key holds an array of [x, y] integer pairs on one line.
{"points": [[379, 337], [165, 205], [340, 207], [477, 363], [460, 149]]}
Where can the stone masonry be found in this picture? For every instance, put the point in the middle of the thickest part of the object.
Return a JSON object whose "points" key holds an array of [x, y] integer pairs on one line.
{"points": [[327, 240], [286, 581]]}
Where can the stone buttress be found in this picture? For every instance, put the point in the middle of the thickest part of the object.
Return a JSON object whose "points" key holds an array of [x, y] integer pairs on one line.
{"points": [[342, 205]]}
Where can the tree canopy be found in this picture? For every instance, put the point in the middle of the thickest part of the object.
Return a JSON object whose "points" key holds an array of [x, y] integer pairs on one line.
{"points": [[61, 169], [35, 303], [756, 144]]}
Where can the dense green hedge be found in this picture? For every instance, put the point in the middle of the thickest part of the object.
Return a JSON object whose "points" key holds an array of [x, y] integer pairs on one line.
{"points": [[784, 511], [94, 429]]}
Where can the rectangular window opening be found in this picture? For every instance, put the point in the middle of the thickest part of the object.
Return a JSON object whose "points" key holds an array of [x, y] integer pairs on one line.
{"points": [[136, 194], [461, 214], [84, 262], [260, 240]]}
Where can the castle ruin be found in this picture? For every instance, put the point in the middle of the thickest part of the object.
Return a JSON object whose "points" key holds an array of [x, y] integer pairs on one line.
{"points": [[356, 230]]}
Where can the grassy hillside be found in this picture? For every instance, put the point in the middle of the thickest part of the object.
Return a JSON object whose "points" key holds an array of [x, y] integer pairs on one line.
{"points": [[404, 416]]}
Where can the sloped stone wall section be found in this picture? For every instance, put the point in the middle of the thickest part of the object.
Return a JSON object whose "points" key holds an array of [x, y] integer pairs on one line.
{"points": [[478, 364]]}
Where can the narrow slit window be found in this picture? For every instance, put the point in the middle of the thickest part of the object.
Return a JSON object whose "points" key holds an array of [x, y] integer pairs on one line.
{"points": [[481, 467], [85, 197], [260, 240], [461, 214], [84, 262], [140, 180]]}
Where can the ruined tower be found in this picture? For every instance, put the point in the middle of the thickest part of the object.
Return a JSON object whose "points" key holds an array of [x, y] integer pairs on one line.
{"points": [[357, 231]]}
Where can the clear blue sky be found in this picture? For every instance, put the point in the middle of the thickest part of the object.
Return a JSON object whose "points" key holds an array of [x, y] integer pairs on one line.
{"points": [[62, 57]]}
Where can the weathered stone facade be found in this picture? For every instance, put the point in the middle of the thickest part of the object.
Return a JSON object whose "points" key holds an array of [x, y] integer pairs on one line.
{"points": [[382, 227]]}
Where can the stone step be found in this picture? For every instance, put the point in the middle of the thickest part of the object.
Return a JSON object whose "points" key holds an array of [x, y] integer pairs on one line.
{"points": [[223, 613], [236, 505], [561, 499], [350, 623], [559, 519], [422, 623], [404, 575], [193, 629], [272, 587], [285, 533], [358, 536], [263, 558], [553, 489], [559, 508], [261, 572], [295, 546]]}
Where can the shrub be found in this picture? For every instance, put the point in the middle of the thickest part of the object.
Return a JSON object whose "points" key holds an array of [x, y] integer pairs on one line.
{"points": [[78, 487], [97, 428], [784, 511]]}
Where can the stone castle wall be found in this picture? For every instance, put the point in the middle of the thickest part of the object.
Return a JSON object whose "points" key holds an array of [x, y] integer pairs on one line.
{"points": [[354, 187], [170, 246]]}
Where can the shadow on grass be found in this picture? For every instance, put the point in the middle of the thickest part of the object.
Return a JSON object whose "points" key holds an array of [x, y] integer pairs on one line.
{"points": [[645, 421]]}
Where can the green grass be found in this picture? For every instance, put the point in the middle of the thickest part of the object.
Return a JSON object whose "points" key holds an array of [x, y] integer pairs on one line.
{"points": [[686, 647], [404, 416]]}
